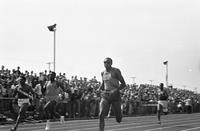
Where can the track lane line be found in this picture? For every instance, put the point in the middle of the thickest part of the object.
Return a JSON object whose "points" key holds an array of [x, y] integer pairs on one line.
{"points": [[171, 126], [127, 128], [191, 129]]}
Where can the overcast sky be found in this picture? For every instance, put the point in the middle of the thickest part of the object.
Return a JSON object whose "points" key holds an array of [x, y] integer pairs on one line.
{"points": [[139, 35]]}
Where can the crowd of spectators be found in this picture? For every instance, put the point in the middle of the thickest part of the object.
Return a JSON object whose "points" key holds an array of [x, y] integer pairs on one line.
{"points": [[146, 94], [79, 98]]}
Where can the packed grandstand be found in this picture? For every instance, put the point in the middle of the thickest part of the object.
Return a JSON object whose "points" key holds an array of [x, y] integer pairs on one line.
{"points": [[79, 98]]}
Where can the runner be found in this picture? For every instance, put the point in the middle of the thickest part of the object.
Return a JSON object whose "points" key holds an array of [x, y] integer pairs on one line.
{"points": [[110, 92], [162, 102], [23, 93], [52, 95]]}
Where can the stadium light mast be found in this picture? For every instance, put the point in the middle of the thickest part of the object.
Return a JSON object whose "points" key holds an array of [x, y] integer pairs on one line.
{"points": [[151, 82], [166, 64], [184, 87], [133, 79], [52, 28], [49, 65]]}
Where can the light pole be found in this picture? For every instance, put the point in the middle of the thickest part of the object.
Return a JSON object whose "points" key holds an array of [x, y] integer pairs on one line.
{"points": [[133, 78], [52, 28], [151, 82], [195, 90], [166, 64], [49, 65], [184, 87]]}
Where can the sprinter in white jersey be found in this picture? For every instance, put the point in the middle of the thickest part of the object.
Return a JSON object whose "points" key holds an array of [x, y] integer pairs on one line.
{"points": [[112, 83]]}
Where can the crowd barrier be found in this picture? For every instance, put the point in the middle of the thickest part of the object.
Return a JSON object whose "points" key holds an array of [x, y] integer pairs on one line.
{"points": [[5, 104]]}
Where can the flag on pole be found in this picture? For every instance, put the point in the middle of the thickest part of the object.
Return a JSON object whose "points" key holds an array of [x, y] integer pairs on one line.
{"points": [[165, 63], [52, 27]]}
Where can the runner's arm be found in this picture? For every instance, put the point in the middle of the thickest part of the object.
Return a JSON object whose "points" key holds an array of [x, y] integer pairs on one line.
{"points": [[121, 79], [102, 84]]}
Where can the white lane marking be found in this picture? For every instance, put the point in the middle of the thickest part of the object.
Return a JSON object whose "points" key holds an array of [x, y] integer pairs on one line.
{"points": [[60, 126], [92, 121], [172, 126], [96, 123], [191, 129], [148, 126], [71, 123]]}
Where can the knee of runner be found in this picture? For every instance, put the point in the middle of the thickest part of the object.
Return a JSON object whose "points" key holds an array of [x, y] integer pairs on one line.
{"points": [[21, 112], [101, 115]]}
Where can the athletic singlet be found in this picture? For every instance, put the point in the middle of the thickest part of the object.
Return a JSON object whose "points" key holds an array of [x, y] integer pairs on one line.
{"points": [[162, 95], [188, 102], [52, 91], [110, 82], [24, 91]]}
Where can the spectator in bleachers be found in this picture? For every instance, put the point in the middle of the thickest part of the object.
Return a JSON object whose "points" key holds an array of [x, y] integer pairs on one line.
{"points": [[75, 101]]}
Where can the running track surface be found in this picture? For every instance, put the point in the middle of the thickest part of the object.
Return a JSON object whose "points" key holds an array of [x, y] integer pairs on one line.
{"points": [[175, 122]]}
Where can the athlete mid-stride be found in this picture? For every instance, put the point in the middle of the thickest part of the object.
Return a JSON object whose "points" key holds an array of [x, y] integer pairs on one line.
{"points": [[23, 93], [162, 102], [112, 83]]}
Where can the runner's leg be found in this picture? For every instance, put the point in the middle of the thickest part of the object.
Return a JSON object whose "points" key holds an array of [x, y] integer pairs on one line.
{"points": [[103, 111], [21, 114], [117, 110], [159, 108]]}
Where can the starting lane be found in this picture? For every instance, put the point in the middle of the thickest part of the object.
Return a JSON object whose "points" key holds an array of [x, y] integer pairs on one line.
{"points": [[174, 122]]}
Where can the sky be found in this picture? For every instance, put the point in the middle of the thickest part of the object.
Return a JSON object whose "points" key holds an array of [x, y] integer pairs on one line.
{"points": [[139, 35]]}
